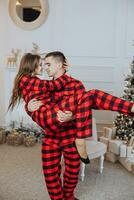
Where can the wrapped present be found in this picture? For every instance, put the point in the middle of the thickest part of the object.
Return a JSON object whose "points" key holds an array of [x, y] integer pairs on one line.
{"points": [[29, 141], [109, 133], [132, 168], [2, 136], [15, 138], [114, 146], [129, 152], [104, 140], [128, 163], [109, 156], [131, 143], [123, 150]]}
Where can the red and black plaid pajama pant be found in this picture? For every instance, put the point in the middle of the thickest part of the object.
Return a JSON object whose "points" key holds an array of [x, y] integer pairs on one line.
{"points": [[51, 160], [81, 106]]}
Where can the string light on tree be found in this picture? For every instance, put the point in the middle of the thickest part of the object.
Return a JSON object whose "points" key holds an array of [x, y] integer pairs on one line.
{"points": [[125, 124]]}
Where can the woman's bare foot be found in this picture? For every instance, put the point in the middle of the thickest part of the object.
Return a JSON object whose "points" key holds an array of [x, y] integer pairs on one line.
{"points": [[82, 151]]}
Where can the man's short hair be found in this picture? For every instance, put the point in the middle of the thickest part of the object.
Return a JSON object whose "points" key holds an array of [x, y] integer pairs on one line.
{"points": [[59, 56]]}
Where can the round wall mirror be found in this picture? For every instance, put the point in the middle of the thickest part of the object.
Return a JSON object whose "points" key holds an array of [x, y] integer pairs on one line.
{"points": [[28, 14]]}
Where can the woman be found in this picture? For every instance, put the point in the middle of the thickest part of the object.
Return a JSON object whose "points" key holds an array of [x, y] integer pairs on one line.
{"points": [[26, 78], [28, 86]]}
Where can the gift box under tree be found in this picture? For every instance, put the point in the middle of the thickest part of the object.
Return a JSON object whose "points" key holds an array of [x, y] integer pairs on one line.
{"points": [[2, 136]]}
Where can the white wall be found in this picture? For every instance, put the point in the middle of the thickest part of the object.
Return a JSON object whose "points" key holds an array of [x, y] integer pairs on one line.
{"points": [[3, 45], [95, 35]]}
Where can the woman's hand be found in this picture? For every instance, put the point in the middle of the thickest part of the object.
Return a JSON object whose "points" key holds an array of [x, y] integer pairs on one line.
{"points": [[65, 116], [34, 105]]}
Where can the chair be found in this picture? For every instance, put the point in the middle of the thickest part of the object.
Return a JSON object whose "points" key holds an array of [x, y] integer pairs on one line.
{"points": [[95, 149]]}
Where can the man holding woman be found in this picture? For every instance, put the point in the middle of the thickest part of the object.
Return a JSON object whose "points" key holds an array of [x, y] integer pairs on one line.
{"points": [[63, 136]]}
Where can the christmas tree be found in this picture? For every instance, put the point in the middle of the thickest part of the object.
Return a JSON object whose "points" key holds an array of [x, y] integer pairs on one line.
{"points": [[125, 124]]}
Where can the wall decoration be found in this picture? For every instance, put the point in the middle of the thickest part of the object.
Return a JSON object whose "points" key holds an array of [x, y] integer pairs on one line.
{"points": [[28, 14], [12, 59], [35, 49]]}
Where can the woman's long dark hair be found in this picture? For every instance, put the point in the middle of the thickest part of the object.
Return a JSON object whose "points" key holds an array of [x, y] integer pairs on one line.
{"points": [[28, 64]]}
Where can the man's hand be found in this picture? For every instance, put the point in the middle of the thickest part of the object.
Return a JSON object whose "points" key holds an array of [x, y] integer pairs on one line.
{"points": [[34, 105], [65, 116]]}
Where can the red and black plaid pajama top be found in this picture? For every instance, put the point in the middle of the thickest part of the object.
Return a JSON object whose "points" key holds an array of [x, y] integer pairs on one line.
{"points": [[53, 94]]}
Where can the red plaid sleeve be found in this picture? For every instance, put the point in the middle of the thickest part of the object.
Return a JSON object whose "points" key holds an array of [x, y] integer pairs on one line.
{"points": [[39, 116], [34, 83]]}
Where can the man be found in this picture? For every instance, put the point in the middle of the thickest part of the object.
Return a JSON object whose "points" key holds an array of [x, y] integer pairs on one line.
{"points": [[54, 145]]}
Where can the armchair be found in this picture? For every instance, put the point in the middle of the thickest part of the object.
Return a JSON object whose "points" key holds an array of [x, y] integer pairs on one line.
{"points": [[95, 149]]}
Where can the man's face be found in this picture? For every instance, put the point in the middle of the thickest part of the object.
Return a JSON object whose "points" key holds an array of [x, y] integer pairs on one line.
{"points": [[53, 67]]}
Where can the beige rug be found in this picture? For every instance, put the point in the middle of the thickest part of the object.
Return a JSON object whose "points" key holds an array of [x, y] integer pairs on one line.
{"points": [[21, 178]]}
